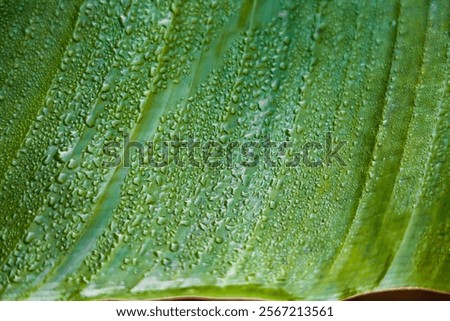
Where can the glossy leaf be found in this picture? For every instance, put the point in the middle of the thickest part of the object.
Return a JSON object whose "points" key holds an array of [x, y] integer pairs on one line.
{"points": [[364, 84]]}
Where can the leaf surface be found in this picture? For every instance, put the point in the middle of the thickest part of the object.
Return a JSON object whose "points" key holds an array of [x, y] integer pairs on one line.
{"points": [[77, 77]]}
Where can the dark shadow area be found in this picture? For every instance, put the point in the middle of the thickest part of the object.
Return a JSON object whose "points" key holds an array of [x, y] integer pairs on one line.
{"points": [[392, 295], [403, 295]]}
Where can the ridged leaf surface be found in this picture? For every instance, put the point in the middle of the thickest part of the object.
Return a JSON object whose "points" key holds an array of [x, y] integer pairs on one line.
{"points": [[78, 75]]}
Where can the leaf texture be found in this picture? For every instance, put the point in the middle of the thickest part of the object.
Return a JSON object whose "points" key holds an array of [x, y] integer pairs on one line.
{"points": [[76, 75]]}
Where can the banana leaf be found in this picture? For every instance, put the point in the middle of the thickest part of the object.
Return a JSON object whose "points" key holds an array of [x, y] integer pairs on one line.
{"points": [[275, 149]]}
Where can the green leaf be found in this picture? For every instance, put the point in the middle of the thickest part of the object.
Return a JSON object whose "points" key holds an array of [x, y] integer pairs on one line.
{"points": [[357, 90]]}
